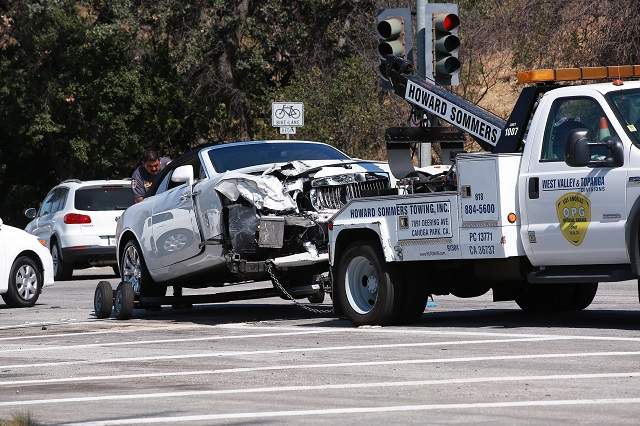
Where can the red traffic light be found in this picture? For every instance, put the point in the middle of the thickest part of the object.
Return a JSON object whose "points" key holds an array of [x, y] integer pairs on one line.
{"points": [[447, 22]]}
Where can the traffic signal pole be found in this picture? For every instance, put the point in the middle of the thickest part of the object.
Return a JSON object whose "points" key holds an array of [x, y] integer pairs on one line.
{"points": [[424, 70]]}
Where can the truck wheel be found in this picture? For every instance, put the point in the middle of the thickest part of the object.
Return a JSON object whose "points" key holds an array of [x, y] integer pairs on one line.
{"points": [[583, 295], [568, 297], [367, 292], [103, 300], [413, 298], [25, 283], [123, 305]]}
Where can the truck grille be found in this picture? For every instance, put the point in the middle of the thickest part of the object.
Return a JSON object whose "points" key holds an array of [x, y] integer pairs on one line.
{"points": [[335, 197]]}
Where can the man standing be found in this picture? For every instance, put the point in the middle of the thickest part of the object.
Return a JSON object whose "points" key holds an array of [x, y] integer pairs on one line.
{"points": [[144, 175]]}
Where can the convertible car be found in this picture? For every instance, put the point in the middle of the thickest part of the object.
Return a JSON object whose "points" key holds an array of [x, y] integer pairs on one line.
{"points": [[228, 213]]}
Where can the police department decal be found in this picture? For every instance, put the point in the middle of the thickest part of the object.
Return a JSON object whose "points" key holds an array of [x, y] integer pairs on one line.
{"points": [[574, 215]]}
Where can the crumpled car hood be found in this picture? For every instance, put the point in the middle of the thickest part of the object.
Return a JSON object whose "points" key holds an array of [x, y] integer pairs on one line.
{"points": [[262, 191]]}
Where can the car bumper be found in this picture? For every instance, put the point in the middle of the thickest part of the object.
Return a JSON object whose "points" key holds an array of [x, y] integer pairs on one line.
{"points": [[90, 255]]}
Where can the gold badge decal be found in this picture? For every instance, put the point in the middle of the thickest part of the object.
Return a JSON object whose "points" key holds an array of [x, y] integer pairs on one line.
{"points": [[574, 215]]}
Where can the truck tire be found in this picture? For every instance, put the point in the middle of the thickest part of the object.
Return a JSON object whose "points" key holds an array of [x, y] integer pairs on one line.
{"points": [[413, 297], [123, 304], [368, 293], [103, 300], [566, 297]]}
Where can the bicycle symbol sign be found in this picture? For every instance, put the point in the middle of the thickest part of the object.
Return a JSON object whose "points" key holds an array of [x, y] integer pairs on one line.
{"points": [[287, 114]]}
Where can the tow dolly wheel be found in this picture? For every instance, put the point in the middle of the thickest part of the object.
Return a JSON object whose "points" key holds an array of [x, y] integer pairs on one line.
{"points": [[123, 305], [103, 300]]}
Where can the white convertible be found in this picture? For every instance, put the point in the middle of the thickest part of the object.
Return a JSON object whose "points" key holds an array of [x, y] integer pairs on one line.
{"points": [[228, 213], [25, 267]]}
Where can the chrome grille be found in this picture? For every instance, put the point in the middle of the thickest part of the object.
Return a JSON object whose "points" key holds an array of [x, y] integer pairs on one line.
{"points": [[336, 196]]}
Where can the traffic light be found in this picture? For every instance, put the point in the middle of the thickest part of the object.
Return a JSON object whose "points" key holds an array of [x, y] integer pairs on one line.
{"points": [[395, 33], [442, 37]]}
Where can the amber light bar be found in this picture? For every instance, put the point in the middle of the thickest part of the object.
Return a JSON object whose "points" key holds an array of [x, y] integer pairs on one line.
{"points": [[575, 74]]}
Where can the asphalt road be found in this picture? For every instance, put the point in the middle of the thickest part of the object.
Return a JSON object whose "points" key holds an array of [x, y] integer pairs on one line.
{"points": [[267, 361]]}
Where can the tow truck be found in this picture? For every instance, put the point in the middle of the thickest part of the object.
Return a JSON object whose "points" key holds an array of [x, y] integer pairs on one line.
{"points": [[548, 211]]}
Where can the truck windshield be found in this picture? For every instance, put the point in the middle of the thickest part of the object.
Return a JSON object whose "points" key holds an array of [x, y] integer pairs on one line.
{"points": [[626, 105], [233, 157]]}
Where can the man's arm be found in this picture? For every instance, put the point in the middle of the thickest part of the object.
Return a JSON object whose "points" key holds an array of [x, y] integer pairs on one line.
{"points": [[137, 186]]}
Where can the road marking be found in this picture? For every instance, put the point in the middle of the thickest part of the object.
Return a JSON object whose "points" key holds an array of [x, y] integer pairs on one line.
{"points": [[413, 330], [272, 389], [360, 410], [151, 342], [270, 351], [48, 323], [129, 329]]}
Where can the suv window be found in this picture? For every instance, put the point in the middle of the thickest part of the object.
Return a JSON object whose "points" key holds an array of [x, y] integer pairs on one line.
{"points": [[59, 199], [568, 114], [45, 208], [103, 198]]}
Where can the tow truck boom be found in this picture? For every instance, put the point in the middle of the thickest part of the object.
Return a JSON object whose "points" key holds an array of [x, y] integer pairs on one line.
{"points": [[490, 131]]}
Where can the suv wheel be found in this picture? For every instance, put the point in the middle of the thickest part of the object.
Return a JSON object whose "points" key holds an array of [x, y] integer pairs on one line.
{"points": [[62, 270]]}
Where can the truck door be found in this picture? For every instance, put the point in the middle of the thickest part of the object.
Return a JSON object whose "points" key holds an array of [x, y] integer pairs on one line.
{"points": [[575, 215], [175, 229]]}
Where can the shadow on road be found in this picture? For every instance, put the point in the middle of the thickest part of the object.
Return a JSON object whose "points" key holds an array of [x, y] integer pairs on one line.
{"points": [[481, 318]]}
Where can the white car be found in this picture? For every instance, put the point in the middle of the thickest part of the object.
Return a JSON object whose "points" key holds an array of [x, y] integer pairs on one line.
{"points": [[77, 221], [25, 267]]}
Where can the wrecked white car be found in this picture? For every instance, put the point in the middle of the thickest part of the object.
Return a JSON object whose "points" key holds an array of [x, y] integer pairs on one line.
{"points": [[223, 214]]}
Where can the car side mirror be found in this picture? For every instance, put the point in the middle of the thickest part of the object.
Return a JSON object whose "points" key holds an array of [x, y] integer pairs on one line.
{"points": [[580, 151], [183, 174], [30, 213]]}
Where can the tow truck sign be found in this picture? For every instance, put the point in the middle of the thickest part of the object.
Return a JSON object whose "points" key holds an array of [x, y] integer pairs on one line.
{"points": [[461, 118]]}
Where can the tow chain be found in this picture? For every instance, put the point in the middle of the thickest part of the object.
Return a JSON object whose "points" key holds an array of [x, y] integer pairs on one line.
{"points": [[274, 279]]}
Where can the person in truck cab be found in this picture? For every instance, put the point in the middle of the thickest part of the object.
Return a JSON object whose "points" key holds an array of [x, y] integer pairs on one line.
{"points": [[144, 175]]}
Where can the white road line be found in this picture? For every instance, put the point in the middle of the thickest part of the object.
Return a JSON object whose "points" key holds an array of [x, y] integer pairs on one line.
{"points": [[273, 389], [157, 341], [415, 330], [360, 410], [269, 351], [128, 329]]}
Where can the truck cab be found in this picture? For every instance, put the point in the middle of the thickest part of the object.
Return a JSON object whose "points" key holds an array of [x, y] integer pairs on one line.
{"points": [[543, 218]]}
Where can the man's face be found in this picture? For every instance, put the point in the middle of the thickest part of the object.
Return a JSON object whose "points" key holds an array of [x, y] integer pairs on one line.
{"points": [[153, 167]]}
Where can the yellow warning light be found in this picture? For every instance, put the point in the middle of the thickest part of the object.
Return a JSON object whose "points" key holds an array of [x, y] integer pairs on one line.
{"points": [[575, 74]]}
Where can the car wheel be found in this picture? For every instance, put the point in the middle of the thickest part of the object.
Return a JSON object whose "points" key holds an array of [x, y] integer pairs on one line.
{"points": [[25, 283], [62, 271], [134, 270], [103, 300], [116, 270], [367, 291], [123, 304]]}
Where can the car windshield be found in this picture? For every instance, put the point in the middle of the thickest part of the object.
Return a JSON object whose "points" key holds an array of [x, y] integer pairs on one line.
{"points": [[103, 198], [234, 157], [626, 105]]}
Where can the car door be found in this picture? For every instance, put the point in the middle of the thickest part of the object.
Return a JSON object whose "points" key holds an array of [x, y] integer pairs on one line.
{"points": [[575, 215], [43, 226], [174, 225]]}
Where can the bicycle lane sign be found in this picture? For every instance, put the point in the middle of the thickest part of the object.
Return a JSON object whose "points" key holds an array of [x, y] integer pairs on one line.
{"points": [[287, 114]]}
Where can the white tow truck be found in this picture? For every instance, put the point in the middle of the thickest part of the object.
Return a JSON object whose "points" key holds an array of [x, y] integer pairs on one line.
{"points": [[549, 212]]}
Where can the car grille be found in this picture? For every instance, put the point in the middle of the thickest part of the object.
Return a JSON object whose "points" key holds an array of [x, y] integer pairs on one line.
{"points": [[336, 196]]}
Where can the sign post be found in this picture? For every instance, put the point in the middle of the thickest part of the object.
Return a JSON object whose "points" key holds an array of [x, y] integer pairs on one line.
{"points": [[287, 116]]}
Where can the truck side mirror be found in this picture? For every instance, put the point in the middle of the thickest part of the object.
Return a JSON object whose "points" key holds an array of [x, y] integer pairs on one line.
{"points": [[183, 174], [578, 152], [582, 152], [30, 213]]}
